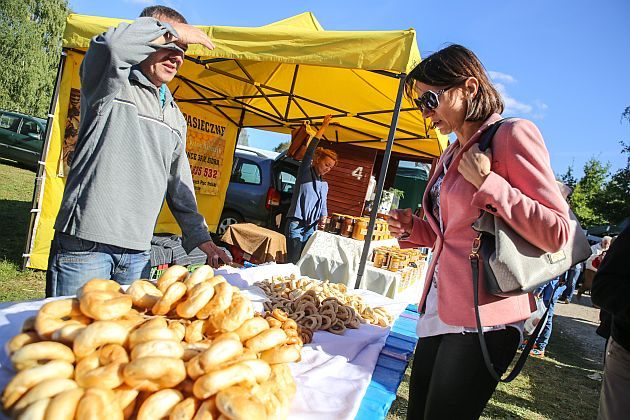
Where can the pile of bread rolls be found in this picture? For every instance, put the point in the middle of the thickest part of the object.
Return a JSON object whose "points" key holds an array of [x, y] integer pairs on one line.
{"points": [[189, 347], [320, 305]]}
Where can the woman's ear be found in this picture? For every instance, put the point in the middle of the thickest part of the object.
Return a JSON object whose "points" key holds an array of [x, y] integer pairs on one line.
{"points": [[472, 86]]}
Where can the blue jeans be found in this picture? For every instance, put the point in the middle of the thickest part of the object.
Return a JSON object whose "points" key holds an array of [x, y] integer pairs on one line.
{"points": [[550, 301], [297, 234], [74, 261], [571, 278]]}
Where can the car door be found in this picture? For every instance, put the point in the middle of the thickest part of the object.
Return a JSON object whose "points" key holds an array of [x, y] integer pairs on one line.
{"points": [[29, 142], [246, 190], [9, 126]]}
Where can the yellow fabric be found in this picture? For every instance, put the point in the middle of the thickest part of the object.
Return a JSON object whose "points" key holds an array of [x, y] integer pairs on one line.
{"points": [[332, 72]]}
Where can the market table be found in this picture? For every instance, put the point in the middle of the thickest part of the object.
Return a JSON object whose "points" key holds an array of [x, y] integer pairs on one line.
{"points": [[335, 370], [336, 258]]}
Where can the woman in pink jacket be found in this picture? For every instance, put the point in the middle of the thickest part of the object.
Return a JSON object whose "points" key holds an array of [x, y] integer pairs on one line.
{"points": [[513, 181]]}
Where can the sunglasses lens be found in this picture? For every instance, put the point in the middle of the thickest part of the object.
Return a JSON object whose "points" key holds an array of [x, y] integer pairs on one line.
{"points": [[430, 99]]}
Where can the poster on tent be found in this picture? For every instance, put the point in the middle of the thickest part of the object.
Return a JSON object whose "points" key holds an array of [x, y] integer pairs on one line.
{"points": [[210, 141]]}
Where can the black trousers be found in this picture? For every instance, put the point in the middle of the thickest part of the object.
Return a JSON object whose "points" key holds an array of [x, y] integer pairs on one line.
{"points": [[449, 379]]}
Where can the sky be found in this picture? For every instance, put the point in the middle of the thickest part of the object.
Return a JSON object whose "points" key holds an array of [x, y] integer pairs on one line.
{"points": [[562, 64]]}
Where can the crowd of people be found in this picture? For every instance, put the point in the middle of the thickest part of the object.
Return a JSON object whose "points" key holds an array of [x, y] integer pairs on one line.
{"points": [[131, 145]]}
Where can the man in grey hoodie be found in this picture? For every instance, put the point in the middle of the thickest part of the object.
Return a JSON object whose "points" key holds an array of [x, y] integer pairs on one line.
{"points": [[130, 156]]}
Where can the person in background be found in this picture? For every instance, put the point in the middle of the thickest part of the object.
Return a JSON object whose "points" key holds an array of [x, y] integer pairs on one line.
{"points": [[309, 202], [594, 260], [611, 292], [130, 156], [571, 278], [513, 181]]}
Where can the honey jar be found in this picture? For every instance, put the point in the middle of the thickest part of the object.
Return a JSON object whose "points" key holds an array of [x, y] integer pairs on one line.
{"points": [[360, 229], [347, 226], [379, 258]]}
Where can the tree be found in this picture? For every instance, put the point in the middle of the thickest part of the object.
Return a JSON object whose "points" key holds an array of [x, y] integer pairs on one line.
{"points": [[282, 147], [568, 178], [587, 193], [243, 138], [614, 201], [30, 48]]}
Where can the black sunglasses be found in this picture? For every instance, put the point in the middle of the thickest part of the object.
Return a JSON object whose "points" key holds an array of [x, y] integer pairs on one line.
{"points": [[430, 99]]}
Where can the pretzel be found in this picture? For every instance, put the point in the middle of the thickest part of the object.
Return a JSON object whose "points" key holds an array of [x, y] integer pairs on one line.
{"points": [[200, 275], [235, 402], [251, 328], [102, 368], [28, 378], [143, 294], [209, 384], [282, 354], [306, 335], [32, 354], [20, 340], [220, 301], [64, 404], [237, 313], [198, 297], [173, 274], [337, 328], [154, 373], [208, 410], [327, 321], [185, 409], [297, 316], [99, 285], [68, 333], [98, 403], [169, 300], [266, 340], [144, 334], [194, 331], [312, 322], [125, 397], [98, 334], [54, 315], [178, 328], [158, 348], [219, 352], [45, 389], [105, 305], [160, 404]]}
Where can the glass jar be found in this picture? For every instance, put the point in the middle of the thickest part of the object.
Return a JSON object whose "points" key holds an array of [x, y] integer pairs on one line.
{"points": [[360, 229], [347, 226], [335, 223], [394, 263], [379, 258]]}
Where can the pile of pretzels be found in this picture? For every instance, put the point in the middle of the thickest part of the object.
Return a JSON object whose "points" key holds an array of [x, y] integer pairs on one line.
{"points": [[317, 305], [189, 347]]}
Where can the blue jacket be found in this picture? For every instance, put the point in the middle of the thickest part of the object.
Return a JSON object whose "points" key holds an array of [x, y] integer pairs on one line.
{"points": [[309, 194]]}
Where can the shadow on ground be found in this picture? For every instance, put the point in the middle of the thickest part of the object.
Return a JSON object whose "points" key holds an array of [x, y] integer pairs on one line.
{"points": [[14, 222]]}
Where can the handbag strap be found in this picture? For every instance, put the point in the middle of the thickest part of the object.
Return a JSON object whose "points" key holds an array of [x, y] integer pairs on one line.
{"points": [[520, 363], [488, 134]]}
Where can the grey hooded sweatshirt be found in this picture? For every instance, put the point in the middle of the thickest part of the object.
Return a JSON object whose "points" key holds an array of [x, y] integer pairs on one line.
{"points": [[131, 152]]}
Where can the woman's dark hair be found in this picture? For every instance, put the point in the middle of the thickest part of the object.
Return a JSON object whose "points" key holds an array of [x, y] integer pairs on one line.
{"points": [[163, 12], [451, 66]]}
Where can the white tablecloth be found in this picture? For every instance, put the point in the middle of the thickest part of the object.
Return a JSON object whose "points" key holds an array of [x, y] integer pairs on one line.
{"points": [[334, 372], [333, 257]]}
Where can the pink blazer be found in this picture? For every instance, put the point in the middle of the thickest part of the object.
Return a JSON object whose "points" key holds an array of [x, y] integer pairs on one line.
{"points": [[521, 189]]}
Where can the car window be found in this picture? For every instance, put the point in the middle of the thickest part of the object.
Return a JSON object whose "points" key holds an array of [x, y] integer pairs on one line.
{"points": [[10, 122], [31, 127], [246, 172], [286, 181]]}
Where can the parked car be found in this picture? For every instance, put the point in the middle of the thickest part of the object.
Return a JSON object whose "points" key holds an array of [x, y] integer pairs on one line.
{"points": [[21, 138], [260, 189]]}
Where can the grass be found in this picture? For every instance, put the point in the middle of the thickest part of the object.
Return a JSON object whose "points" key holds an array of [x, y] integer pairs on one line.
{"points": [[556, 387], [16, 193]]}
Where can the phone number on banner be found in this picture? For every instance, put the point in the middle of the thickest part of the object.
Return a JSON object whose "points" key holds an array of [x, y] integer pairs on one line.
{"points": [[203, 171]]}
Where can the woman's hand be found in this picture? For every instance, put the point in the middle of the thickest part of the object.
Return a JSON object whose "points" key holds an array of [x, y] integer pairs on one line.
{"points": [[400, 223], [475, 165]]}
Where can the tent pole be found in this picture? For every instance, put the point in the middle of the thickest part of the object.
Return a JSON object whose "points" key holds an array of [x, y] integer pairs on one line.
{"points": [[381, 180], [41, 169]]}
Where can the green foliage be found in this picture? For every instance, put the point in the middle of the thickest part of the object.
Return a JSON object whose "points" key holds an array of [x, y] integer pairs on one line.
{"points": [[587, 193], [30, 47], [282, 147], [614, 201]]}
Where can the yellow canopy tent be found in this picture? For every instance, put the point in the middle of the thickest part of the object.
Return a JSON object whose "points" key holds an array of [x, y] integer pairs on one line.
{"points": [[271, 78]]}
